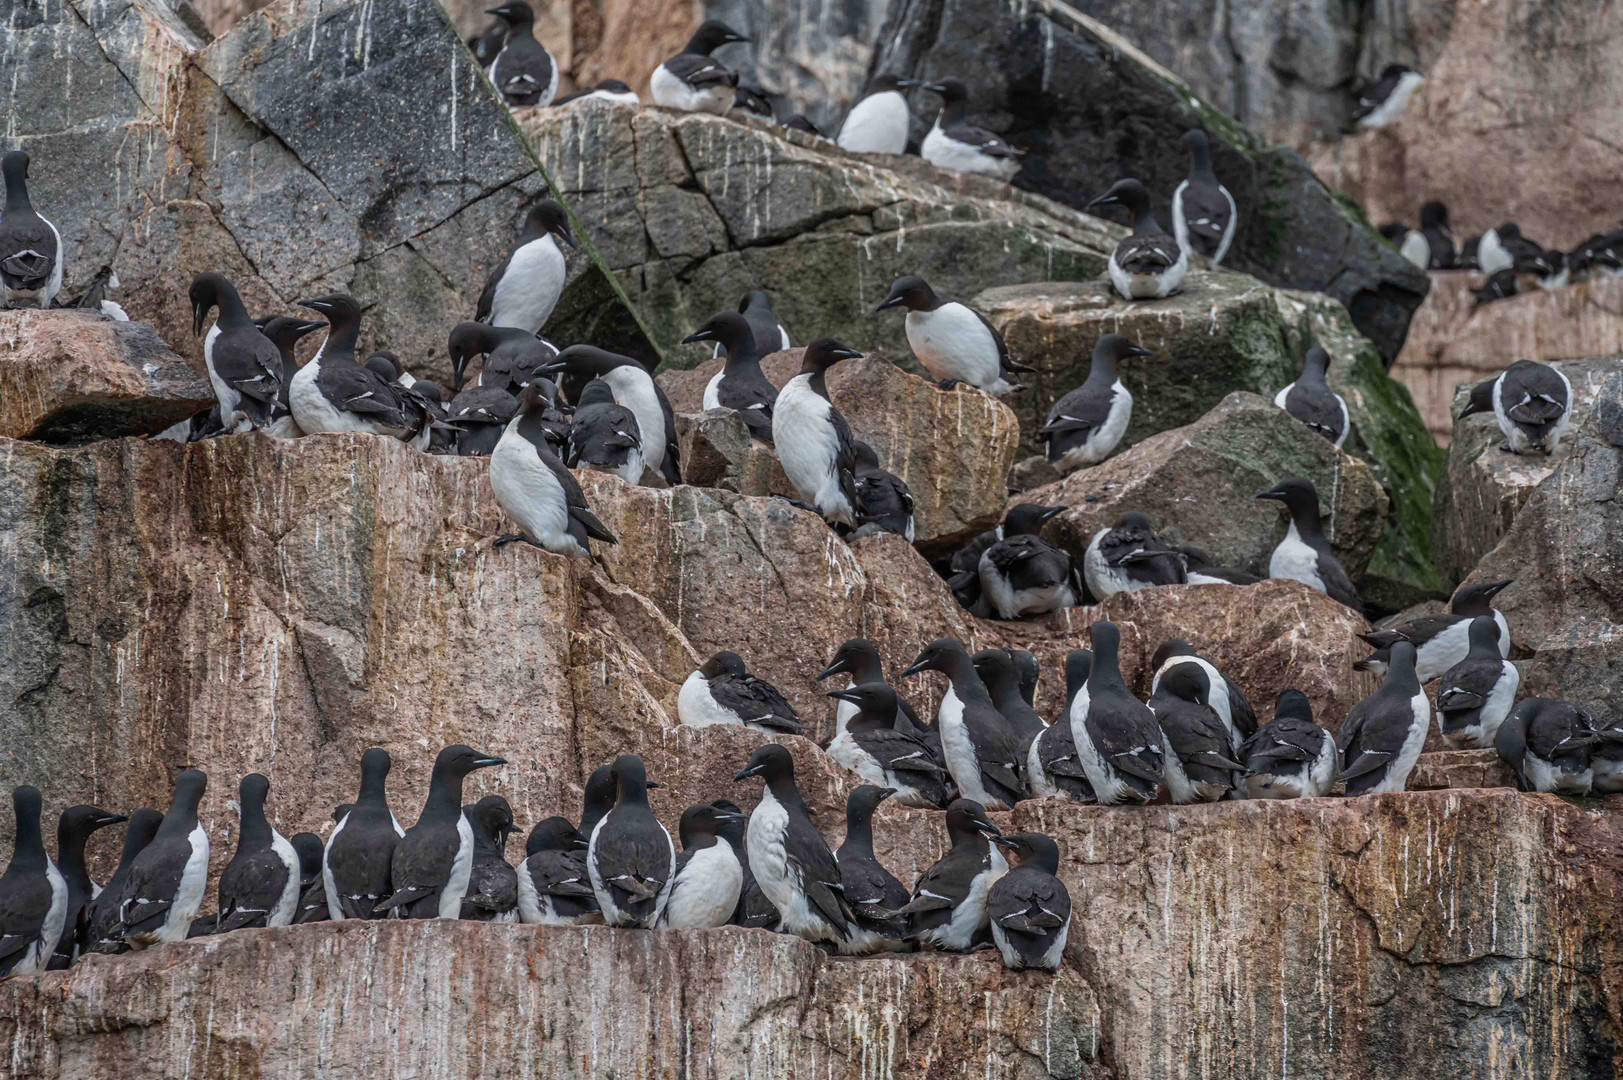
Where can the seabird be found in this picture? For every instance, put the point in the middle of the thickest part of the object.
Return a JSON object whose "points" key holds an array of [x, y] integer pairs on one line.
{"points": [[1087, 424], [30, 247], [1383, 102], [1219, 691], [598, 798], [102, 913], [245, 367], [813, 440], [433, 861], [1119, 744], [1442, 640], [604, 90], [954, 143], [879, 123], [73, 830], [487, 44], [1304, 554], [284, 332], [1203, 212], [1001, 676], [511, 355], [723, 692], [1201, 569], [754, 910], [1475, 694], [791, 861], [740, 385], [953, 341], [1052, 767], [260, 885], [964, 568], [981, 751], [1606, 758], [858, 659], [753, 99], [33, 893], [770, 336], [1290, 757], [312, 906], [873, 892], [1026, 664], [94, 298], [428, 397], [1414, 248], [1469, 257], [1028, 908], [872, 744], [1532, 404], [480, 414], [635, 389], [799, 122], [165, 884], [1128, 556], [524, 72], [1549, 745], [630, 860], [1499, 286], [1381, 738], [691, 81], [948, 908], [523, 288], [1148, 264], [554, 888], [334, 391], [603, 435], [1025, 575], [538, 492], [1310, 400], [492, 894], [883, 498], [1440, 253], [1199, 761], [1494, 252], [709, 878]]}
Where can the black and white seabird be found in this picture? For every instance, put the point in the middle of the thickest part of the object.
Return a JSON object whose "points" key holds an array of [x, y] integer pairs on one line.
{"points": [[101, 914], [954, 143], [433, 862], [1549, 745], [953, 341], [813, 440], [1290, 757], [1087, 424], [524, 72], [754, 910], [1219, 691], [244, 367], [1026, 575], [511, 355], [1129, 556], [872, 744], [721, 691], [284, 332], [873, 892], [479, 416], [603, 435], [1148, 264], [1203, 212], [1199, 761], [523, 288], [1052, 767], [604, 90], [1028, 908], [635, 389], [1310, 400], [360, 851], [1532, 403], [487, 44], [884, 500], [1304, 554], [1606, 758], [260, 885], [1200, 568], [948, 907], [1026, 664], [1381, 738], [1497, 249], [33, 894], [492, 894], [770, 336], [598, 797], [1383, 101], [335, 391], [165, 884], [982, 754], [94, 298], [740, 385], [1001, 676], [1119, 744], [73, 830], [1441, 641], [1413, 247], [1601, 255], [791, 861], [879, 123], [1440, 253], [630, 859], [709, 878], [964, 567], [858, 660], [31, 255], [1475, 695], [691, 81], [312, 906], [1499, 286], [554, 888], [537, 490]]}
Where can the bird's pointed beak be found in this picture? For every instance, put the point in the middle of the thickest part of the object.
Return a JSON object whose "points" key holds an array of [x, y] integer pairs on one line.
{"points": [[846, 354], [1273, 494], [1004, 842], [583, 844], [112, 819], [934, 87], [563, 233], [199, 313], [906, 84], [1498, 587], [728, 815], [988, 828], [652, 784], [487, 762], [745, 774], [551, 366], [889, 302], [844, 695], [885, 793], [310, 327], [917, 666], [1139, 350], [1052, 511], [699, 335], [1107, 199]]}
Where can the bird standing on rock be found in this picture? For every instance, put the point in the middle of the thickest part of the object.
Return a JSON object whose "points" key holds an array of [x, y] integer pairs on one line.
{"points": [[691, 81], [982, 754], [523, 288], [740, 385], [30, 247], [1129, 556], [953, 341], [813, 439], [1290, 757], [1219, 691], [260, 885], [1026, 575], [723, 692], [1052, 766], [102, 913], [1149, 264], [355, 865], [1203, 212], [524, 72], [335, 391], [873, 744], [954, 143], [1475, 694], [879, 123], [73, 829], [635, 389], [244, 366], [33, 894], [166, 881], [1441, 641], [630, 860], [948, 908], [604, 436], [1310, 400], [1385, 100], [1198, 762], [1382, 736], [433, 862], [709, 878], [1029, 909], [873, 892], [1532, 403], [554, 888], [1087, 424], [285, 332], [537, 490], [1304, 554], [884, 501], [492, 894], [791, 861], [1549, 745], [1119, 743]]}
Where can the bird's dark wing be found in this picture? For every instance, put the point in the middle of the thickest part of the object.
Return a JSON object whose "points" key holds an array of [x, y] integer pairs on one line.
{"points": [[359, 390], [1004, 363], [897, 751], [1133, 748], [698, 70], [28, 251], [752, 399], [487, 297], [250, 363], [23, 907], [845, 459], [1080, 411], [983, 140], [602, 435], [1318, 409], [1281, 742], [1206, 216], [1152, 254], [1031, 903]]}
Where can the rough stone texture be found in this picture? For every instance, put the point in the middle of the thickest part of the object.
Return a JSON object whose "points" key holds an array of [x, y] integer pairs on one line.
{"points": [[1483, 487], [719, 451], [1460, 769], [1517, 121], [1452, 340], [1562, 550], [692, 211], [66, 376], [1090, 108], [1199, 486], [952, 447]]}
